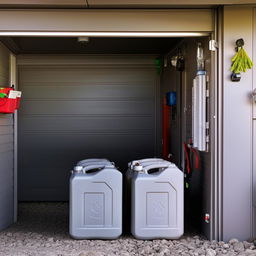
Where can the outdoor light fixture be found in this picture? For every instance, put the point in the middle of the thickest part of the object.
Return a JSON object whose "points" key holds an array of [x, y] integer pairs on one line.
{"points": [[83, 39]]}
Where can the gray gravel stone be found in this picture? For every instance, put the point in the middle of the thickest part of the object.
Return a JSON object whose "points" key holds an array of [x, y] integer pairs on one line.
{"points": [[231, 254], [239, 247], [233, 241], [250, 252], [226, 246], [42, 230], [210, 252], [247, 245], [200, 251]]}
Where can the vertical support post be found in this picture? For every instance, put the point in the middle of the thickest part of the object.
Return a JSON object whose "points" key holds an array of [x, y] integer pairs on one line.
{"points": [[194, 114], [13, 82]]}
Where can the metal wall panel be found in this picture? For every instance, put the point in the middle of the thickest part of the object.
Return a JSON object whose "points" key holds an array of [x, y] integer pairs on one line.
{"points": [[73, 112], [237, 129], [254, 177], [161, 3], [254, 132], [6, 150], [199, 193], [75, 21], [116, 3], [43, 3]]}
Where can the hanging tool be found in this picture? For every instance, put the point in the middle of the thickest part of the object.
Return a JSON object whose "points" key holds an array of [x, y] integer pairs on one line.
{"points": [[192, 158], [192, 161], [240, 62]]}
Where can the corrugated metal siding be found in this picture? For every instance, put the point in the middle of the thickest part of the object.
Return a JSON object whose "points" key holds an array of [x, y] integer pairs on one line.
{"points": [[6, 150], [69, 113]]}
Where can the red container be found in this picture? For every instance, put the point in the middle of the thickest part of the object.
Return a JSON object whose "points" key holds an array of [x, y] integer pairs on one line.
{"points": [[6, 90], [7, 105], [17, 102]]}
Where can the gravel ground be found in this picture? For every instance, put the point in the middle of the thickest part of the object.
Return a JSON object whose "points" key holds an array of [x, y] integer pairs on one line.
{"points": [[42, 229]]}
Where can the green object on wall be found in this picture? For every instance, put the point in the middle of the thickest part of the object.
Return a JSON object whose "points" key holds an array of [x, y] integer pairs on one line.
{"points": [[241, 61], [3, 95], [159, 65]]}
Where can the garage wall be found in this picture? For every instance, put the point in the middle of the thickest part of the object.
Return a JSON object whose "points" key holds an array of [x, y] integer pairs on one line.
{"points": [[237, 129], [77, 107], [171, 82], [198, 196], [199, 192], [6, 149]]}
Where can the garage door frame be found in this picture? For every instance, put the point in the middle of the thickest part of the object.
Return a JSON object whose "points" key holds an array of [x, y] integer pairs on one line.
{"points": [[106, 23]]}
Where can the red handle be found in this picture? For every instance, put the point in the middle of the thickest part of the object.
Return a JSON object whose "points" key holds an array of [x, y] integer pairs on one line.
{"points": [[187, 158]]}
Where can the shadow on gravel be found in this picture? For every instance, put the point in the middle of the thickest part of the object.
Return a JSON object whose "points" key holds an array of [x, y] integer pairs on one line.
{"points": [[46, 218], [50, 219]]}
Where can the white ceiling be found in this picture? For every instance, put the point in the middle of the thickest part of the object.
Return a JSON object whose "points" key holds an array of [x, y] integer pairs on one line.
{"points": [[115, 3]]}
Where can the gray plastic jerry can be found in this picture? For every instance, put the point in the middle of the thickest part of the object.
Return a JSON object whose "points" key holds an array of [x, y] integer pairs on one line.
{"points": [[96, 202], [157, 201]]}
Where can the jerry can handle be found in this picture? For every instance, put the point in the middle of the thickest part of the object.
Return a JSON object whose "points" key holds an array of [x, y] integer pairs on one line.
{"points": [[155, 166], [131, 164], [149, 160], [96, 166], [91, 167], [91, 160]]}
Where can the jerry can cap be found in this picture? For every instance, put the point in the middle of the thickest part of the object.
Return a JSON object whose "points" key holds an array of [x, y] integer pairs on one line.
{"points": [[78, 168]]}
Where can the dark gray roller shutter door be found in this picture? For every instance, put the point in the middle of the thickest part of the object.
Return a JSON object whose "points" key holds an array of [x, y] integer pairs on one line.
{"points": [[69, 113]]}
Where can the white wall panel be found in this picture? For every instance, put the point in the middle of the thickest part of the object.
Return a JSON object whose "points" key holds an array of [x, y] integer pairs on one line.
{"points": [[237, 129]]}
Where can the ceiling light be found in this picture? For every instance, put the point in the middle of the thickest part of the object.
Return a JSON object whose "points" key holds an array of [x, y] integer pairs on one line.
{"points": [[83, 39]]}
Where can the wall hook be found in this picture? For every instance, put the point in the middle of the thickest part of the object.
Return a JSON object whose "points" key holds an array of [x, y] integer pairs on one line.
{"points": [[239, 43]]}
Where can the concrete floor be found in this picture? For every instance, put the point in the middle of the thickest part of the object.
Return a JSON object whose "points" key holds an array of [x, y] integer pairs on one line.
{"points": [[42, 230]]}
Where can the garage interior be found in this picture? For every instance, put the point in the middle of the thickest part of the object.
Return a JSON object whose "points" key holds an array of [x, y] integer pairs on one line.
{"points": [[103, 99]]}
